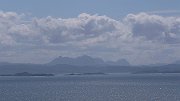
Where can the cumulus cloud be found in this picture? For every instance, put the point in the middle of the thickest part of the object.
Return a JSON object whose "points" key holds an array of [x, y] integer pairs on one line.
{"points": [[155, 28], [140, 38]]}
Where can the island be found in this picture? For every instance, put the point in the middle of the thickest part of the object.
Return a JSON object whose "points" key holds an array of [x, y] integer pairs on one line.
{"points": [[27, 74], [98, 73]]}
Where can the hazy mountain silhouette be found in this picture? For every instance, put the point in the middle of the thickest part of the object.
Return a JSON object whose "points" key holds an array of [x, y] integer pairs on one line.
{"points": [[86, 64], [170, 68], [120, 62], [87, 61]]}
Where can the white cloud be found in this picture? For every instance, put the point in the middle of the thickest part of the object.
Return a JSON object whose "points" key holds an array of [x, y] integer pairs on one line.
{"points": [[140, 38], [155, 28]]}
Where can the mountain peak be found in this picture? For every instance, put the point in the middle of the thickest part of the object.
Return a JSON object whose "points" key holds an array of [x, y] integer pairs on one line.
{"points": [[86, 60], [84, 57], [119, 62]]}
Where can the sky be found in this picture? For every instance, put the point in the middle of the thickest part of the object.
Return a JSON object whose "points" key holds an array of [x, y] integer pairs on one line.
{"points": [[140, 31], [71, 8]]}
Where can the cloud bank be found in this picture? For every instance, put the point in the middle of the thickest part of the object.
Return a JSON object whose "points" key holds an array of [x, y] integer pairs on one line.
{"points": [[140, 38]]}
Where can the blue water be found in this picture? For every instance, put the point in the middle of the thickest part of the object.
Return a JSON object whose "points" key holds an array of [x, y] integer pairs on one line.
{"points": [[112, 87]]}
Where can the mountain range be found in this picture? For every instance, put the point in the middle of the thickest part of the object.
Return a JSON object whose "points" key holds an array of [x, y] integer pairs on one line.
{"points": [[87, 61], [86, 64]]}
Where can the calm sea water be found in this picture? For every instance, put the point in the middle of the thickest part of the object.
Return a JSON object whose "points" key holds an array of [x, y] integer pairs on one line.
{"points": [[112, 87]]}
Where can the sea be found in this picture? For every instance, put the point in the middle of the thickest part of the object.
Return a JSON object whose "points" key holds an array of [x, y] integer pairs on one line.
{"points": [[108, 87]]}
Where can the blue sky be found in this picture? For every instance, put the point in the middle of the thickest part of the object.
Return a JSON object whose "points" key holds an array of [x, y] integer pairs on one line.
{"points": [[71, 8], [141, 31]]}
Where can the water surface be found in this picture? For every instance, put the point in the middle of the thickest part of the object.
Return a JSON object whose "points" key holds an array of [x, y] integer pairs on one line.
{"points": [[111, 87]]}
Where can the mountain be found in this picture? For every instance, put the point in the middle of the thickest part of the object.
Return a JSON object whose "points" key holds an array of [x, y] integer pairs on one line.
{"points": [[87, 61], [78, 61], [120, 62], [81, 64], [169, 68], [84, 64]]}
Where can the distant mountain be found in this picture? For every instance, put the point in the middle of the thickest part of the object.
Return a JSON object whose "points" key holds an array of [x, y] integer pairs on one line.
{"points": [[120, 62], [81, 64], [79, 61], [170, 68], [157, 64], [87, 61], [84, 64]]}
